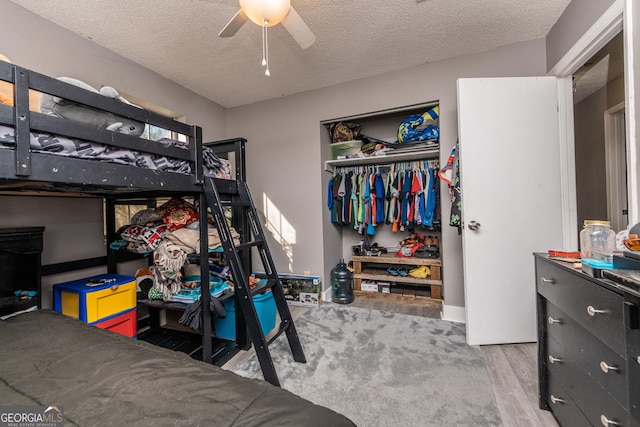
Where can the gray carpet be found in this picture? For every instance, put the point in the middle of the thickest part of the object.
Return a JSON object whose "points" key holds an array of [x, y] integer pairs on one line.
{"points": [[385, 369]]}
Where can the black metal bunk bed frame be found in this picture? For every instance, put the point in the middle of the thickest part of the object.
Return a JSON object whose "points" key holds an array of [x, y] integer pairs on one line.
{"points": [[21, 170]]}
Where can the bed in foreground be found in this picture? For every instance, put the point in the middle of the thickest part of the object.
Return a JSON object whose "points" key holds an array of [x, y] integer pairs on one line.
{"points": [[101, 378]]}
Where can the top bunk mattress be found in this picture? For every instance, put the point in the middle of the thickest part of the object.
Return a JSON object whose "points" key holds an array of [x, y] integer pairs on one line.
{"points": [[60, 145]]}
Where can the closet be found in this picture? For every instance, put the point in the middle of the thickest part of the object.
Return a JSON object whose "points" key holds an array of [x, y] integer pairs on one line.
{"points": [[383, 208]]}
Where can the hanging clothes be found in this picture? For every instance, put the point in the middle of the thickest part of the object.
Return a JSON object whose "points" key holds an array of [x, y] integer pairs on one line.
{"points": [[455, 219], [403, 195]]}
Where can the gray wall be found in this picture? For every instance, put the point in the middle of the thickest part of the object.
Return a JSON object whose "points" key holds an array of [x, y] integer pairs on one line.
{"points": [[577, 18], [591, 171], [39, 45], [591, 179], [74, 227], [285, 156]]}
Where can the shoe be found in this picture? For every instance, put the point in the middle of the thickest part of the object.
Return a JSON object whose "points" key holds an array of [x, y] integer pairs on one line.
{"points": [[421, 272], [430, 252], [378, 249], [402, 272], [392, 271]]}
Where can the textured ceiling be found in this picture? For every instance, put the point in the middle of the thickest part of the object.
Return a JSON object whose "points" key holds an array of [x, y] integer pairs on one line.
{"points": [[354, 38]]}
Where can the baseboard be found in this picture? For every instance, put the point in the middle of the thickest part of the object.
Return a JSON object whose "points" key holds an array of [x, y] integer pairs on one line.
{"points": [[453, 313]]}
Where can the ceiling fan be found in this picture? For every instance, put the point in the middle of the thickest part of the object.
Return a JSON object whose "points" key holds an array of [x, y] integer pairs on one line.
{"points": [[267, 13], [270, 13]]}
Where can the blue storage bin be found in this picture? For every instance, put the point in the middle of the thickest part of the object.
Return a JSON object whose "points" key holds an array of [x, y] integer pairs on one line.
{"points": [[265, 308]]}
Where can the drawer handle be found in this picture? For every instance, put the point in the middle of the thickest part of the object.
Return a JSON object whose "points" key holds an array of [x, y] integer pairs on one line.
{"points": [[607, 422], [552, 320], [555, 400], [554, 359], [114, 287], [593, 311], [544, 281], [638, 360], [606, 368]]}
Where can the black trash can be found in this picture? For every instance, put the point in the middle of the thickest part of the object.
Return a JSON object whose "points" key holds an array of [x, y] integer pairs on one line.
{"points": [[342, 284]]}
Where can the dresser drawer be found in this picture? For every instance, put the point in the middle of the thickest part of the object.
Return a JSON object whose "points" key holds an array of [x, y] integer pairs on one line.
{"points": [[633, 364], [587, 352], [558, 323], [593, 307], [124, 324], [563, 407]]}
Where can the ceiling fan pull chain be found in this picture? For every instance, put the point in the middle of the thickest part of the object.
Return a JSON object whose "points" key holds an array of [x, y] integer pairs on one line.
{"points": [[266, 46], [264, 60]]}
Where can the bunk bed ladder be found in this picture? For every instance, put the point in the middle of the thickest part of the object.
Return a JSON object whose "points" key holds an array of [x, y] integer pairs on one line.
{"points": [[244, 294]]}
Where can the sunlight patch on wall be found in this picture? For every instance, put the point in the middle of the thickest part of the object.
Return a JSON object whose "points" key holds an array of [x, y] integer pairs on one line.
{"points": [[281, 229]]}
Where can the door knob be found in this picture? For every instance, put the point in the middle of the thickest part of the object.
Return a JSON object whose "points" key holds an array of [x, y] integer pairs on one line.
{"points": [[473, 225]]}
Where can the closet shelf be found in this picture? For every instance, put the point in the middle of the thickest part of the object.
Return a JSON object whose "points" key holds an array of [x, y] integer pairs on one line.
{"points": [[374, 268], [407, 156]]}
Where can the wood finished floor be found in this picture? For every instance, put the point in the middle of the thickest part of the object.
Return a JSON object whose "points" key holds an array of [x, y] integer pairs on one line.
{"points": [[512, 368]]}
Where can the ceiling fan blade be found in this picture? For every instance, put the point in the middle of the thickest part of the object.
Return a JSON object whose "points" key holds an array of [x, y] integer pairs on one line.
{"points": [[234, 25], [298, 29]]}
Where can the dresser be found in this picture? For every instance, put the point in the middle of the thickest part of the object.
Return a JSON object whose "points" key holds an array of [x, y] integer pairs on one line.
{"points": [[589, 349]]}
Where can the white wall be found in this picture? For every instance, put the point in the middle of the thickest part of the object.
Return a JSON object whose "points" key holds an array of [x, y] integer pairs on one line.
{"points": [[284, 155]]}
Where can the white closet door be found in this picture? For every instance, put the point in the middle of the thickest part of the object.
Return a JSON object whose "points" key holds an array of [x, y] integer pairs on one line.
{"points": [[511, 203]]}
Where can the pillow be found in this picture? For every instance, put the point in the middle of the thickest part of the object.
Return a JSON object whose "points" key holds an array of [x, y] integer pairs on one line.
{"points": [[145, 216], [177, 213], [143, 238]]}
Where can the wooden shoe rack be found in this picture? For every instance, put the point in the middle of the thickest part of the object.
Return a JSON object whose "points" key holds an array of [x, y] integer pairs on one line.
{"points": [[375, 268]]}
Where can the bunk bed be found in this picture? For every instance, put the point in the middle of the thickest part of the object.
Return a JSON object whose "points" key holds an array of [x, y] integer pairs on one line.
{"points": [[101, 378]]}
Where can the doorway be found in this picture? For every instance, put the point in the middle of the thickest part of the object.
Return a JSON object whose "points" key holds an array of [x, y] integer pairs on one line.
{"points": [[599, 129], [616, 162]]}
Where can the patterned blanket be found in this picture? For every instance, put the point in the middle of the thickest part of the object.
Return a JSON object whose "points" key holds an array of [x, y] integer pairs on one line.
{"points": [[71, 147]]}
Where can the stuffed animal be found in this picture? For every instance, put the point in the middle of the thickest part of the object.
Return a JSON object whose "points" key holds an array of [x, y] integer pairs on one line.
{"points": [[70, 110], [6, 92]]}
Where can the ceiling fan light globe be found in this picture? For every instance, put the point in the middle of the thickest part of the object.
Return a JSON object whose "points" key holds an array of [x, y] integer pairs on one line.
{"points": [[273, 11]]}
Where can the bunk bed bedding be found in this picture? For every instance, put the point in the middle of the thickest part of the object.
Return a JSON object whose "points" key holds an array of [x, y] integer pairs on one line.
{"points": [[102, 378], [73, 147]]}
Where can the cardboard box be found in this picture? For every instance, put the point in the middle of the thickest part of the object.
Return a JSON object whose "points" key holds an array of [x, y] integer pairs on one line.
{"points": [[306, 299], [299, 289], [369, 286], [384, 287]]}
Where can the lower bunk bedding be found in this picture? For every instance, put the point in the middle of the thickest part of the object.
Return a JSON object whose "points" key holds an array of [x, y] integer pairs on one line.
{"points": [[101, 378]]}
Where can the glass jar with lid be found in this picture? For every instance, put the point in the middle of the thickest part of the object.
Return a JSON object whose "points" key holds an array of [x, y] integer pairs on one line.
{"points": [[597, 240]]}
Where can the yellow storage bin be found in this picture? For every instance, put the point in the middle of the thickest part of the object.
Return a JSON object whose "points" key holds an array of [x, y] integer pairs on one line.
{"points": [[95, 298]]}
